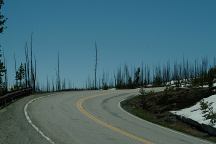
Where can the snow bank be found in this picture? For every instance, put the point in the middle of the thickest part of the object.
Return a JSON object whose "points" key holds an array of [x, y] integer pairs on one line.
{"points": [[195, 113]]}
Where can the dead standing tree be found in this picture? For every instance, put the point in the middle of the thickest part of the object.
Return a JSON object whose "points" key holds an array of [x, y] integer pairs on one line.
{"points": [[35, 74], [27, 65], [5, 76], [15, 69], [58, 75], [32, 76], [32, 79], [96, 64], [32, 67]]}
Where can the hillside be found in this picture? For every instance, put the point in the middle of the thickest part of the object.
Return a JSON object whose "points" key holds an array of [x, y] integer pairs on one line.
{"points": [[156, 107]]}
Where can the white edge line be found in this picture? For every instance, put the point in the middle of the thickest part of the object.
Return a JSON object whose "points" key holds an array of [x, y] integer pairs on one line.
{"points": [[138, 118], [32, 124]]}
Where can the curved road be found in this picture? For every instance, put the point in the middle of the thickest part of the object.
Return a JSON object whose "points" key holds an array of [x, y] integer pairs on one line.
{"points": [[88, 117]]}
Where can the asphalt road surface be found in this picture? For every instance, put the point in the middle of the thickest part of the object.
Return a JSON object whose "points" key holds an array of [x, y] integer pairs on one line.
{"points": [[87, 117]]}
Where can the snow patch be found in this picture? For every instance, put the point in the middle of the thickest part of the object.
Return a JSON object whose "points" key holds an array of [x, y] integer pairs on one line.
{"points": [[112, 89], [195, 112]]}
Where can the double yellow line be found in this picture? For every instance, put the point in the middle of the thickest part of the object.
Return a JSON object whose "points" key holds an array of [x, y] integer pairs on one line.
{"points": [[79, 105]]}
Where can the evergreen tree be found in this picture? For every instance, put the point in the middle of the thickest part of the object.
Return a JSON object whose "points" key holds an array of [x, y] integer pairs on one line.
{"points": [[104, 82], [2, 18], [3, 87], [157, 79], [211, 76], [20, 74], [137, 77]]}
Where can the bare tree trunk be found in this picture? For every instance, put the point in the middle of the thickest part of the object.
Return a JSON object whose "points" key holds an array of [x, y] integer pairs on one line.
{"points": [[126, 76], [15, 69], [27, 65], [142, 75], [26, 81], [53, 86], [69, 84], [96, 63], [35, 74], [5, 76], [63, 84], [214, 62], [58, 75], [48, 85], [6, 80], [32, 67], [115, 80], [148, 75]]}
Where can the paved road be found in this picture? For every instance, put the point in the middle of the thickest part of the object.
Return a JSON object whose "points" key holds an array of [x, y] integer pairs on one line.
{"points": [[90, 117]]}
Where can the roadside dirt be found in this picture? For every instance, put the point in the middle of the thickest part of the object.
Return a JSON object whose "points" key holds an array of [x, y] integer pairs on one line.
{"points": [[173, 99]]}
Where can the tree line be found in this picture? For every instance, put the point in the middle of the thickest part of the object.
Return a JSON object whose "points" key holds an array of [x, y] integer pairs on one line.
{"points": [[3, 70], [184, 73], [198, 73], [25, 72]]}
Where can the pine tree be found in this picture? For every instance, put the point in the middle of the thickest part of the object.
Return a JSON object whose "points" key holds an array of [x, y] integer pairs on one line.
{"points": [[2, 18], [211, 77], [2, 74], [137, 77], [20, 74]]}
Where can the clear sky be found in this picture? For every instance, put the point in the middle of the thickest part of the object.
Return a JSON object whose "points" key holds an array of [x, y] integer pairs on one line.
{"points": [[127, 31]]}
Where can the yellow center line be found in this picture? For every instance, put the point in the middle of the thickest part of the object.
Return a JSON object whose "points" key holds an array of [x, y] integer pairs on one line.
{"points": [[79, 105]]}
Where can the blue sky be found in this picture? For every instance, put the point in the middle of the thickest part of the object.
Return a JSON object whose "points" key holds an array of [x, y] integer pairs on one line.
{"points": [[127, 31]]}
